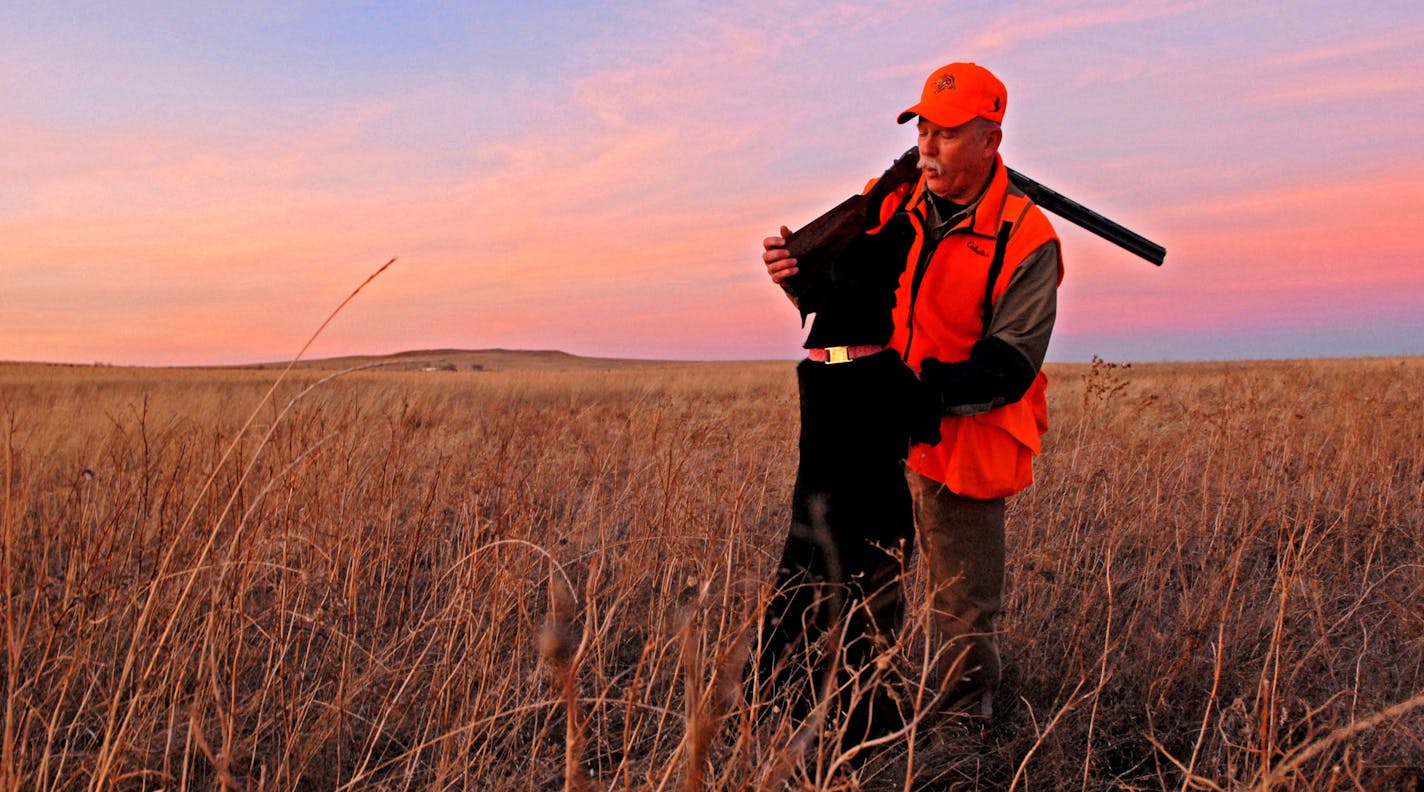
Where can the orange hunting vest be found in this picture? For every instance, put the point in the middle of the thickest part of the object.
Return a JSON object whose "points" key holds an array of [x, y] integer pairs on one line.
{"points": [[989, 455]]}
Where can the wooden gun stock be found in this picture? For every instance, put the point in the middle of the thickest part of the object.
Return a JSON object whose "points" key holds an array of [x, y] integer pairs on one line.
{"points": [[821, 240], [817, 243]]}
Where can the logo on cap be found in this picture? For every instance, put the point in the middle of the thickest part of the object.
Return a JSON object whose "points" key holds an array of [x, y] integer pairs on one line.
{"points": [[996, 104], [945, 83]]}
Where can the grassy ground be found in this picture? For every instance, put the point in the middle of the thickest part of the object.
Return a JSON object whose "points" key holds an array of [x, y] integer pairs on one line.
{"points": [[532, 579]]}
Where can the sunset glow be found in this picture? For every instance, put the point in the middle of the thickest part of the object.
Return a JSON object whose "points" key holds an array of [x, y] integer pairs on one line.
{"points": [[188, 186]]}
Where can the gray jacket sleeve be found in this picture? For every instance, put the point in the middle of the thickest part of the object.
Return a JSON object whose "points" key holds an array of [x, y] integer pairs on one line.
{"points": [[1024, 313]]}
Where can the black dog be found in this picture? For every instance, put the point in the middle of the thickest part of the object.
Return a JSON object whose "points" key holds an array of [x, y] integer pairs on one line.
{"points": [[837, 598]]}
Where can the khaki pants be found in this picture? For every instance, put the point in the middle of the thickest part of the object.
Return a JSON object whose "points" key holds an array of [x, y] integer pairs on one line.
{"points": [[962, 543]]}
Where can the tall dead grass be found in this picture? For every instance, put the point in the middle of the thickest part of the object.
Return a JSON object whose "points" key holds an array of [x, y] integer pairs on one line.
{"points": [[546, 580]]}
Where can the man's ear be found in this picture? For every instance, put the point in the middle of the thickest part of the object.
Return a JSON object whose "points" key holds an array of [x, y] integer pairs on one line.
{"points": [[993, 138]]}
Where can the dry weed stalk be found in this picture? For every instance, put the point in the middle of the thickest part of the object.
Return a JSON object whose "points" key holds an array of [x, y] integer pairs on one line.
{"points": [[116, 727], [562, 644]]}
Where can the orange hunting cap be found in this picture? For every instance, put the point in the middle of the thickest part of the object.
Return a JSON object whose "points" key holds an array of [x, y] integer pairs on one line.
{"points": [[956, 93]]}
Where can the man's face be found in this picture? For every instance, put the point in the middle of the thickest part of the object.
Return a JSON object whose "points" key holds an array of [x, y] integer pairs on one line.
{"points": [[957, 160]]}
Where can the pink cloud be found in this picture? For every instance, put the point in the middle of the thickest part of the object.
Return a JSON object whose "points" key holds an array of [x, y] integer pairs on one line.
{"points": [[1340, 88], [1353, 49], [1018, 26]]}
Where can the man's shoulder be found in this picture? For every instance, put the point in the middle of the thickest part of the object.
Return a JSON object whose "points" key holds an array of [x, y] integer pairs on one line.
{"points": [[1033, 243], [1030, 221], [1028, 215]]}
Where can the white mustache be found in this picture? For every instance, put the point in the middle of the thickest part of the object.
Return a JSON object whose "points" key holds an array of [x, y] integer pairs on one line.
{"points": [[926, 162]]}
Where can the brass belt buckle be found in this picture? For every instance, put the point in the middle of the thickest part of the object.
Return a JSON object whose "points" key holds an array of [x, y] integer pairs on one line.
{"points": [[838, 354]]}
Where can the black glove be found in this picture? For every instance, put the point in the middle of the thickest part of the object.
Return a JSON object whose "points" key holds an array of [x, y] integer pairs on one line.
{"points": [[924, 412], [994, 374], [924, 416], [946, 385]]}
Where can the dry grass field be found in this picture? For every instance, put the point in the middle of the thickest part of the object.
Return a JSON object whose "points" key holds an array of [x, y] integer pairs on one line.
{"points": [[543, 578]]}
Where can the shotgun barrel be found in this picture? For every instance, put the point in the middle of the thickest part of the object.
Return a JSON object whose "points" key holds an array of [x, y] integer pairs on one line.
{"points": [[820, 240], [1083, 217]]}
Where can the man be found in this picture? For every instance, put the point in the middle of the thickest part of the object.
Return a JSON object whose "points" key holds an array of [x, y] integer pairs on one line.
{"points": [[976, 269]]}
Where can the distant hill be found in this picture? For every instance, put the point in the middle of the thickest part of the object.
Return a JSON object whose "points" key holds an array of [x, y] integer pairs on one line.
{"points": [[475, 360]]}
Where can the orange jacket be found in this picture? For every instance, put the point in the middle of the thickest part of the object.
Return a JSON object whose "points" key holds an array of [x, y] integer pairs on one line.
{"points": [[988, 455]]}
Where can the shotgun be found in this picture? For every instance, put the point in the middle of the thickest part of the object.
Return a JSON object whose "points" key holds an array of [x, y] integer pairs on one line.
{"points": [[821, 240]]}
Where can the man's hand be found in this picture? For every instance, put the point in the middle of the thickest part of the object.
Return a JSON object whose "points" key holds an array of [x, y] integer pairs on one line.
{"points": [[779, 263]]}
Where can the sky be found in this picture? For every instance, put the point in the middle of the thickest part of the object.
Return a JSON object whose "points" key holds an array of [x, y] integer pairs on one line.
{"points": [[197, 183]]}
